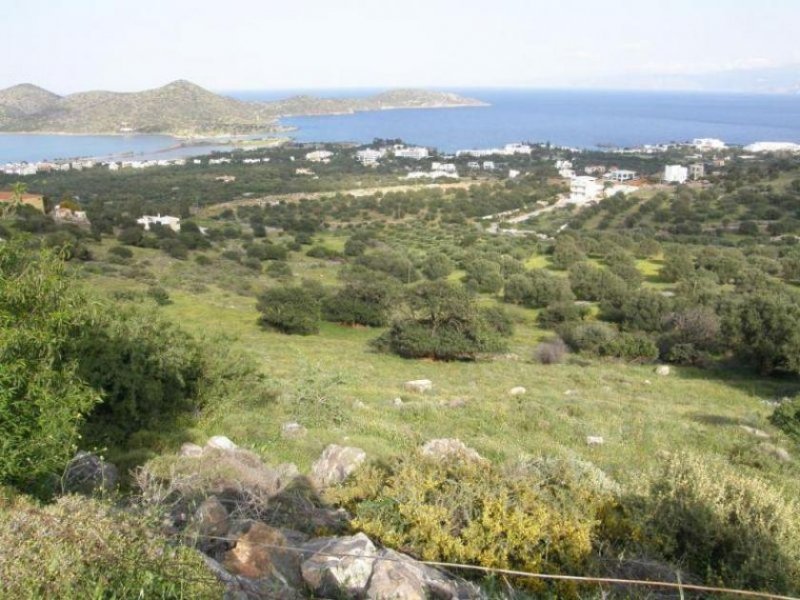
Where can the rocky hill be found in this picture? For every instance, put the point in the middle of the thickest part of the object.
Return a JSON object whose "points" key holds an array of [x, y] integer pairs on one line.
{"points": [[183, 108]]}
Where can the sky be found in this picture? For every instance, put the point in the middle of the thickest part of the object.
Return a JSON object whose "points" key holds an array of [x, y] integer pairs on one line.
{"points": [[74, 45]]}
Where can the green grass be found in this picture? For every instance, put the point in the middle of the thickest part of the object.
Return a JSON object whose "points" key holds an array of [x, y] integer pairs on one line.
{"points": [[343, 392]]}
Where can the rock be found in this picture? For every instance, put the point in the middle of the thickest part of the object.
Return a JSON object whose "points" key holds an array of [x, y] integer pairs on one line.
{"points": [[328, 574], [517, 391], [336, 464], [211, 518], [419, 386], [264, 551], [776, 452], [359, 405], [87, 473], [220, 442], [448, 448], [293, 430], [191, 450], [457, 403], [662, 370], [398, 402], [648, 382], [755, 432], [595, 440], [570, 392]]}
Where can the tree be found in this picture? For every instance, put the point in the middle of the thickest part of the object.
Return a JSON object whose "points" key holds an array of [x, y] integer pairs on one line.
{"points": [[764, 330], [678, 265], [566, 253], [18, 191], [484, 276], [290, 309], [365, 299], [437, 265], [443, 322]]}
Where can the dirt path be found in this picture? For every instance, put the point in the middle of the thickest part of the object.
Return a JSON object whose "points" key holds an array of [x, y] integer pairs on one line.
{"points": [[215, 209]]}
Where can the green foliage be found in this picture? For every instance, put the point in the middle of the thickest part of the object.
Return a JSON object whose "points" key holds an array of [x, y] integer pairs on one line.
{"points": [[763, 330], [787, 417], [537, 289], [566, 253], [42, 400], [365, 299], [539, 517], [290, 309], [484, 276], [443, 322], [678, 265], [724, 526], [391, 263], [81, 548], [437, 265]]}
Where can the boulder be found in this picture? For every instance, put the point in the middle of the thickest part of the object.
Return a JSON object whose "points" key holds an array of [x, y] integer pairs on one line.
{"points": [[776, 452], [211, 518], [336, 464], [87, 473], [293, 430], [663, 370], [397, 576], [517, 391], [264, 551], [220, 442], [339, 567], [594, 440], [420, 386], [456, 403], [397, 402], [449, 448], [191, 450], [755, 432]]}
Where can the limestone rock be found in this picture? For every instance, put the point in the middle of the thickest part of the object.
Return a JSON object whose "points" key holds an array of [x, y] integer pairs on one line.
{"points": [[264, 551], [594, 440], [87, 473], [211, 518], [776, 452], [336, 464], [191, 450], [663, 370], [448, 448], [397, 402], [755, 432], [220, 442], [517, 391], [419, 386], [293, 430], [329, 574]]}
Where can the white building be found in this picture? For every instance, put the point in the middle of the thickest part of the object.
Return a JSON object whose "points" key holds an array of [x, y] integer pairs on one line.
{"points": [[676, 174], [320, 156], [444, 168], [620, 175], [517, 149], [370, 157], [416, 153], [173, 223], [762, 147], [619, 188], [705, 144], [488, 165], [584, 189], [513, 173], [474, 165], [431, 175], [697, 171]]}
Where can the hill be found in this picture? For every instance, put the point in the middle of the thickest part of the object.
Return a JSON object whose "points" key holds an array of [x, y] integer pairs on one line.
{"points": [[183, 108]]}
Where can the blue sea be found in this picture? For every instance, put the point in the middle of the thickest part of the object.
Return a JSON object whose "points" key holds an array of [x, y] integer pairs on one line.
{"points": [[583, 119]]}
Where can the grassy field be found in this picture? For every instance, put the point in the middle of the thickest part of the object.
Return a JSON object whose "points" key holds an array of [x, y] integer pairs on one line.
{"points": [[343, 392]]}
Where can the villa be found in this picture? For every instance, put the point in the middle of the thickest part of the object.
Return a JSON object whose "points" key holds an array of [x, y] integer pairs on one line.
{"points": [[676, 174], [173, 223]]}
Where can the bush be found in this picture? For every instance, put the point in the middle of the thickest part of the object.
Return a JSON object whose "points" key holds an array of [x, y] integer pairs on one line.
{"points": [[498, 319], [725, 526], [290, 309], [279, 269], [121, 252], [444, 323], [562, 312], [484, 276], [550, 353], [538, 517], [159, 295], [437, 265], [787, 417], [391, 263], [323, 252], [689, 336], [43, 401], [81, 548]]}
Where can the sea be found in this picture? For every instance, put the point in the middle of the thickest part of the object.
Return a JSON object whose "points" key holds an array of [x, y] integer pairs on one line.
{"points": [[578, 119]]}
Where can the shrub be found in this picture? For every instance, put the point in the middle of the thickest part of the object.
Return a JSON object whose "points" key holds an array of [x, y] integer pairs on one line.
{"points": [[121, 252], [594, 338], [323, 252], [290, 309], [43, 401], [437, 265], [174, 248], [444, 323], [81, 548], [361, 301], [537, 518], [498, 319], [391, 263], [787, 417], [202, 260], [484, 276], [689, 336], [725, 526], [159, 295], [279, 269], [551, 352], [562, 312]]}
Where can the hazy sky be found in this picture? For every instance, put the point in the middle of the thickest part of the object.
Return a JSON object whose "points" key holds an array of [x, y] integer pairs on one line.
{"points": [[70, 45]]}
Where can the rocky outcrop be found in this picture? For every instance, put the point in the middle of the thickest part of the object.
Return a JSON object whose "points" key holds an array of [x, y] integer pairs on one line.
{"points": [[87, 473], [449, 448], [336, 464]]}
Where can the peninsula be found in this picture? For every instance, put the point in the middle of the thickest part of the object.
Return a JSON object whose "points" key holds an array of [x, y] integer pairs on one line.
{"points": [[184, 109]]}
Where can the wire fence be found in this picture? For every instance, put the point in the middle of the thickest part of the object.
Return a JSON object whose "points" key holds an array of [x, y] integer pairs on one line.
{"points": [[677, 586]]}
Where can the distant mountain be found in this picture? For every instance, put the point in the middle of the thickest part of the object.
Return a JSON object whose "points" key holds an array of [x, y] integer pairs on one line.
{"points": [[183, 108]]}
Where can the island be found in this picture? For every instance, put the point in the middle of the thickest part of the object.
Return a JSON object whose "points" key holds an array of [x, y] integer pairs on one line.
{"points": [[184, 109]]}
